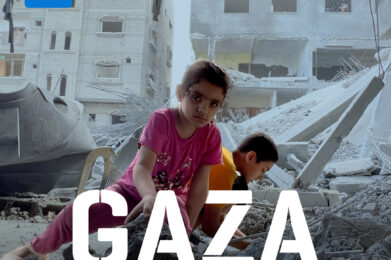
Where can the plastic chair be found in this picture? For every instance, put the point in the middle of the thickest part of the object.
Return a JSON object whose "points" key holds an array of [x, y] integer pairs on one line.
{"points": [[111, 173]]}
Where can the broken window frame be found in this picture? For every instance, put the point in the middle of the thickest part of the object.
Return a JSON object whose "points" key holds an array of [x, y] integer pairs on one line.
{"points": [[229, 10], [111, 19], [116, 119], [335, 10], [101, 75], [92, 118], [283, 11], [9, 62]]}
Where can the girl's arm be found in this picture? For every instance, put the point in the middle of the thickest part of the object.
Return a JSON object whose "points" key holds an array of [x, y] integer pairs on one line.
{"points": [[142, 178], [198, 193]]}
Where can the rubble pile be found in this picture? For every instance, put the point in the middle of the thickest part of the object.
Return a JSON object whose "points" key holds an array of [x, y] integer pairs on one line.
{"points": [[29, 207], [372, 203], [353, 234], [257, 220]]}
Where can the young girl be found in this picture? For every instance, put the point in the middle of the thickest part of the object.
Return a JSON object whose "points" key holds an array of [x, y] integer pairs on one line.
{"points": [[176, 146]]}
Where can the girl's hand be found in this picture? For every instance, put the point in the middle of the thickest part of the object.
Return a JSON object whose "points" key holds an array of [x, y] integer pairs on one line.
{"points": [[144, 206]]}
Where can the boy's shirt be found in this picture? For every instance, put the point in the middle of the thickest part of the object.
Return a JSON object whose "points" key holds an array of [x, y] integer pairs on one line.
{"points": [[222, 176]]}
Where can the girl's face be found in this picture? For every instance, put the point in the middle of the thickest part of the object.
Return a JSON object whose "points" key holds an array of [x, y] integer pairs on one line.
{"points": [[200, 103]]}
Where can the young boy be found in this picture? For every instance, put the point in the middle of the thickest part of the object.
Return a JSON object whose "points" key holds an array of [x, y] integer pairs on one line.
{"points": [[253, 157]]}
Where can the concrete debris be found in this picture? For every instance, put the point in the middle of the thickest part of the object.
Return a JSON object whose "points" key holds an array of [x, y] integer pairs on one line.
{"points": [[298, 149], [345, 234], [280, 177], [296, 164], [322, 118], [136, 233], [362, 166], [241, 79], [322, 198], [347, 121], [37, 209], [351, 184]]}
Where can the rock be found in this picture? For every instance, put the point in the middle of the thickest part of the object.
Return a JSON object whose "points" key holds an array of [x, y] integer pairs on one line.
{"points": [[371, 208]]}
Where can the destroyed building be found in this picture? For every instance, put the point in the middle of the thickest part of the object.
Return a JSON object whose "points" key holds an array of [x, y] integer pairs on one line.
{"points": [[121, 45], [291, 45]]}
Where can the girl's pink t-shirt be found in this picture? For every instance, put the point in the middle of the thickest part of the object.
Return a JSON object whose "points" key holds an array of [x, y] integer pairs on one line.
{"points": [[177, 158]]}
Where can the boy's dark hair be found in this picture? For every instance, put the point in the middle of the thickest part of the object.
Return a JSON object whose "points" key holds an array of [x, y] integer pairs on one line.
{"points": [[206, 70], [262, 145]]}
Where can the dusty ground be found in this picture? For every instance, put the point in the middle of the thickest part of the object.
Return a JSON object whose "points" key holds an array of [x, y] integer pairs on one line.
{"points": [[17, 232], [19, 226]]}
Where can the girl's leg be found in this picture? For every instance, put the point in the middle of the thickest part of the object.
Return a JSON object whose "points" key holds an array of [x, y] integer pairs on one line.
{"points": [[60, 230]]}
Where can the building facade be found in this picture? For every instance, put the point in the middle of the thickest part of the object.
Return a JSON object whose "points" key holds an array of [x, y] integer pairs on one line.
{"points": [[291, 46], [121, 46]]}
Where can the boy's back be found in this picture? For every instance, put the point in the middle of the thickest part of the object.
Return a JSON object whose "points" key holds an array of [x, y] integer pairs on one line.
{"points": [[223, 176]]}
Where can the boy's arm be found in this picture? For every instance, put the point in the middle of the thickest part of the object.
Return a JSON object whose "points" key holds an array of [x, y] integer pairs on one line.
{"points": [[198, 193], [142, 177], [212, 217]]}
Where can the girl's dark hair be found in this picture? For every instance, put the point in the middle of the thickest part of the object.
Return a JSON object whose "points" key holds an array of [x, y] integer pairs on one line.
{"points": [[262, 145], [206, 70]]}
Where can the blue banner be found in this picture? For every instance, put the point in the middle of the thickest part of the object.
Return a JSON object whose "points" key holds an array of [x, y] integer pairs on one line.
{"points": [[48, 3]]}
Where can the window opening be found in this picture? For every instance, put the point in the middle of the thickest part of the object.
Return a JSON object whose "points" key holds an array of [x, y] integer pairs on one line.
{"points": [[236, 6], [108, 70], [49, 82], [91, 117], [112, 25], [284, 6], [63, 85], [338, 6], [11, 65], [116, 119], [53, 40], [67, 45]]}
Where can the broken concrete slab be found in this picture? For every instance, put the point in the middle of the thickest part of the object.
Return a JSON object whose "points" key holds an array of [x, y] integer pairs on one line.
{"points": [[226, 138], [323, 118], [361, 166], [295, 163], [322, 198], [280, 178], [299, 149], [351, 184], [315, 166]]}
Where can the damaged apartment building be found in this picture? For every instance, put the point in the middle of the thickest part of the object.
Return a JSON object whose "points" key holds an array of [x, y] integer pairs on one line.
{"points": [[288, 47], [122, 46]]}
